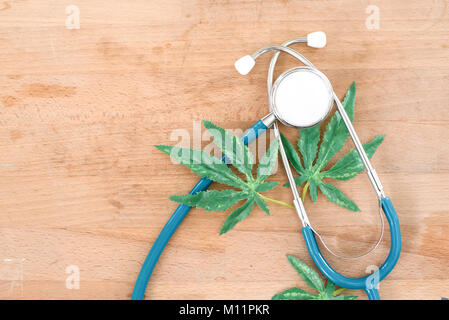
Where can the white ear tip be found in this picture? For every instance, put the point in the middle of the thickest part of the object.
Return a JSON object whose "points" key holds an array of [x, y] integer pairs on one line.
{"points": [[244, 64], [316, 39]]}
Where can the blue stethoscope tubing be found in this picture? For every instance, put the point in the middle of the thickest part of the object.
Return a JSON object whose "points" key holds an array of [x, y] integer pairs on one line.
{"points": [[367, 283], [178, 215], [363, 283]]}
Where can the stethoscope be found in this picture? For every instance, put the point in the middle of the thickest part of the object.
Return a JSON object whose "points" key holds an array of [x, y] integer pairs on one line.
{"points": [[300, 97]]}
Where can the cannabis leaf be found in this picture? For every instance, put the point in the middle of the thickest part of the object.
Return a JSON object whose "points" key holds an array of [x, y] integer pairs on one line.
{"points": [[312, 170], [314, 281], [214, 169]]}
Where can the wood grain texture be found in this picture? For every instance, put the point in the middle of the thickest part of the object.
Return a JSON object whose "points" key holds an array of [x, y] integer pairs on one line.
{"points": [[80, 110]]}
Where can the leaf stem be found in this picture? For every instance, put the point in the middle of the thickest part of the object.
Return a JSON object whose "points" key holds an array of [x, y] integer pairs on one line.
{"points": [[304, 190], [276, 201], [338, 291]]}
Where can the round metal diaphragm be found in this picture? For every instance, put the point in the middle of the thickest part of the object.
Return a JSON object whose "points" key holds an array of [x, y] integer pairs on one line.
{"points": [[301, 97]]}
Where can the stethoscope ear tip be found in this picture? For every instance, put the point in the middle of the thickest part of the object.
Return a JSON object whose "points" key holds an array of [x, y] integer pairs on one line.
{"points": [[244, 64], [316, 39]]}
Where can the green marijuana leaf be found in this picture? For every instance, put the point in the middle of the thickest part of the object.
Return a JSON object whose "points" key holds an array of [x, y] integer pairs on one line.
{"points": [[312, 170], [214, 169], [313, 280]]}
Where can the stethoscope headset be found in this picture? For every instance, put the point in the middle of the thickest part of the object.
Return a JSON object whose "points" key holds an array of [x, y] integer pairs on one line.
{"points": [[300, 97]]}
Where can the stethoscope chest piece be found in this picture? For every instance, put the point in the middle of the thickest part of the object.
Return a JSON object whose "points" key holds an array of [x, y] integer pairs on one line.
{"points": [[301, 97]]}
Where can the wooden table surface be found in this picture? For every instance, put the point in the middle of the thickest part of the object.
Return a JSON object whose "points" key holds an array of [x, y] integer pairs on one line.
{"points": [[83, 189]]}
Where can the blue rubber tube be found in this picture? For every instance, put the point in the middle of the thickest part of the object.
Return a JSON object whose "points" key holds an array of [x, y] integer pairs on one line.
{"points": [[373, 294], [364, 283], [178, 215]]}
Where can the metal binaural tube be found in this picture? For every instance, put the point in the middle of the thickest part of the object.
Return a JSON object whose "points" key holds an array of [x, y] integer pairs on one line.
{"points": [[297, 202], [372, 174], [288, 50]]}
